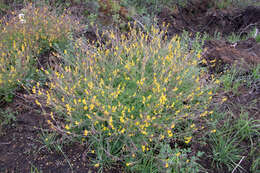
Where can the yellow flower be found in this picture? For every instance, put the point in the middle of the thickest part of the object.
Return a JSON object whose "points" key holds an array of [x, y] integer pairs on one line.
{"points": [[162, 137], [163, 99], [34, 90], [14, 44], [75, 101], [84, 101], [129, 164], [166, 165], [52, 115], [175, 89], [143, 148], [178, 154], [85, 132], [213, 131], [89, 117], [91, 107], [187, 139], [170, 133], [197, 89], [204, 114], [96, 165], [122, 119], [204, 61], [37, 102], [67, 127], [106, 113], [90, 85], [224, 99]]}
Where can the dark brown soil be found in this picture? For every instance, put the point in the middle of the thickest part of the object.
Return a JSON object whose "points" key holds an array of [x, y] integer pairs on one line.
{"points": [[219, 54], [22, 147], [202, 16]]}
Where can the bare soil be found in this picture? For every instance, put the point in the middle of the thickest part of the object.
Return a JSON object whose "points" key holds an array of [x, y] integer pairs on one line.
{"points": [[22, 147], [220, 54], [201, 16]]}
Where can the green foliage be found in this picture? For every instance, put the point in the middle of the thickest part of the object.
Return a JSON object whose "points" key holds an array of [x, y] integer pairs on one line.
{"points": [[178, 160], [229, 80], [223, 4], [3, 8], [247, 128], [227, 142], [6, 117], [257, 38], [234, 78], [255, 34], [151, 7], [256, 73], [35, 169], [225, 151], [233, 38], [256, 164], [29, 34], [49, 141], [128, 94], [224, 147]]}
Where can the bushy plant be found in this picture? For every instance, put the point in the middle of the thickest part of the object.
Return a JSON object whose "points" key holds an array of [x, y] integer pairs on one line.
{"points": [[128, 95], [28, 34]]}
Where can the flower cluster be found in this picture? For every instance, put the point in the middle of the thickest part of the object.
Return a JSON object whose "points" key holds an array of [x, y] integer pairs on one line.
{"points": [[25, 36], [138, 87]]}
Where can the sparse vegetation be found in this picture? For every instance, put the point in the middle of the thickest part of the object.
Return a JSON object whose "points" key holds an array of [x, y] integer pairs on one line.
{"points": [[6, 118]]}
